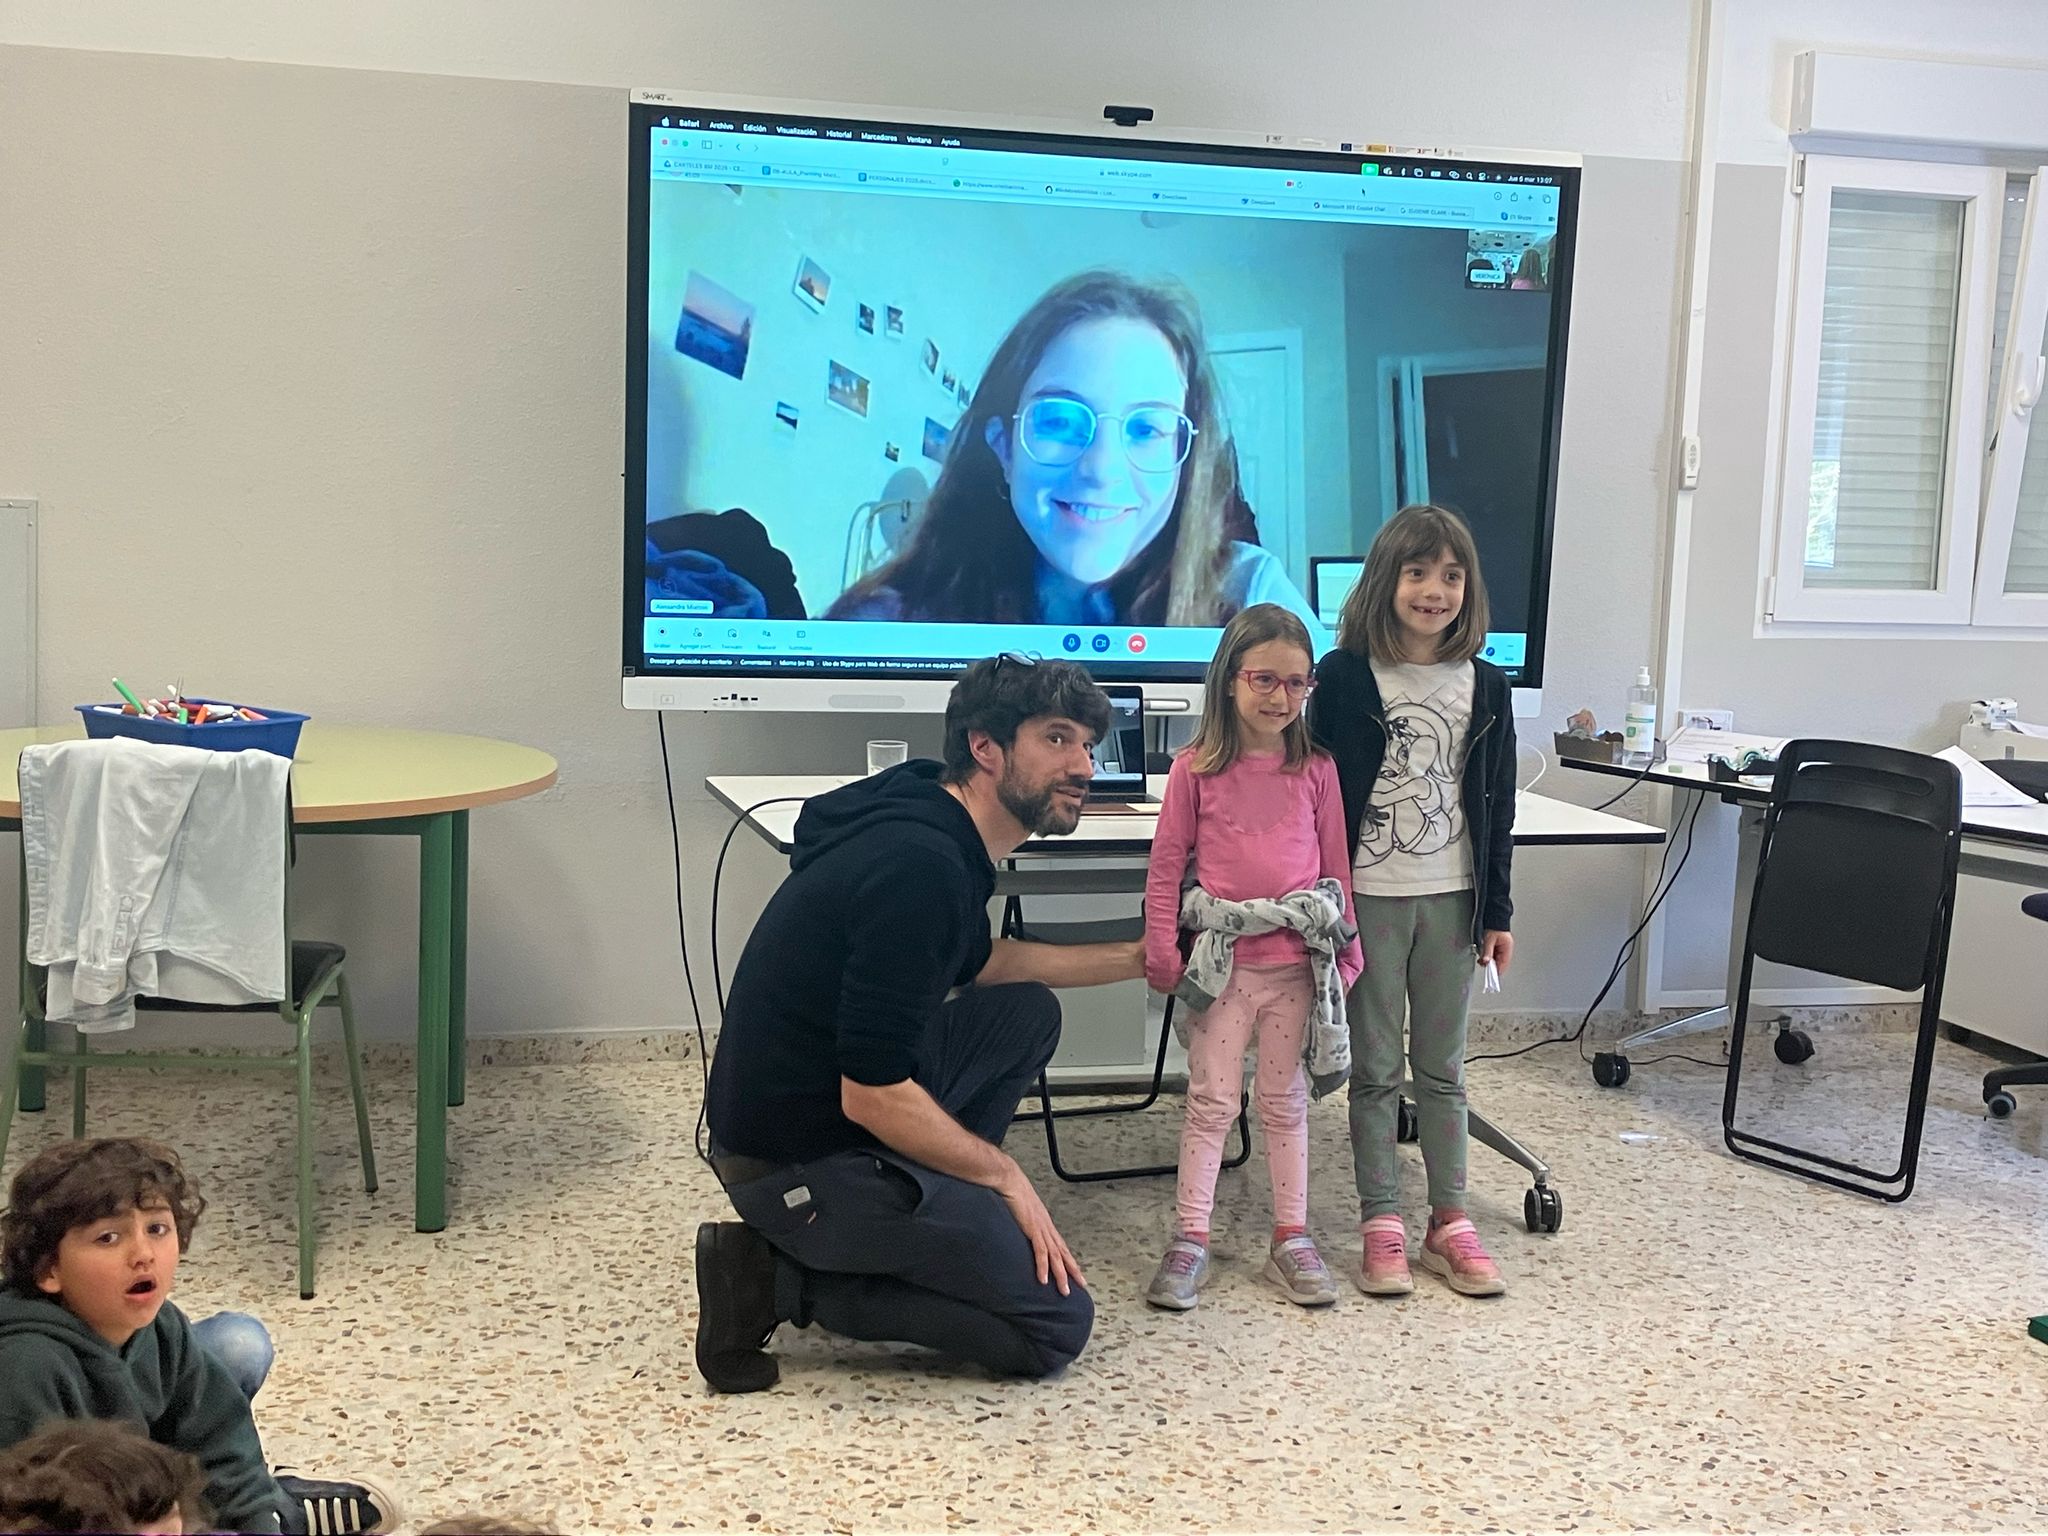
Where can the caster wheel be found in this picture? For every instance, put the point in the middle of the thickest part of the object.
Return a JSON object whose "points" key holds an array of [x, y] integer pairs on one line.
{"points": [[2000, 1104], [1792, 1046], [1543, 1209], [1407, 1129], [1959, 1034], [1609, 1071]]}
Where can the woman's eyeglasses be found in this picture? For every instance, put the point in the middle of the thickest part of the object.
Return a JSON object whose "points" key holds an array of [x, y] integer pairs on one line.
{"points": [[1297, 687], [1055, 432]]}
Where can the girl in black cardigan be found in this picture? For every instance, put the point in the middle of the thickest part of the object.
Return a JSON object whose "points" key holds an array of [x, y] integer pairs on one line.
{"points": [[1423, 733]]}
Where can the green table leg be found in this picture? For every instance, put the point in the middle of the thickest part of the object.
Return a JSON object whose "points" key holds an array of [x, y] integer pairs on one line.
{"points": [[458, 956], [36, 1039], [31, 1077], [430, 1186]]}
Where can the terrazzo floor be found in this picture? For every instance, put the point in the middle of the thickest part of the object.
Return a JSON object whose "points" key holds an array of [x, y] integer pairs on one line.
{"points": [[1706, 1344]]}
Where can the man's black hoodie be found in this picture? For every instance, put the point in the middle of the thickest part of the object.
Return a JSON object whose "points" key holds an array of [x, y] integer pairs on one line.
{"points": [[885, 911]]}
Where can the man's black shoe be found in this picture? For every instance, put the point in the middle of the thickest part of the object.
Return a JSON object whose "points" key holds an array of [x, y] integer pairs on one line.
{"points": [[735, 1307]]}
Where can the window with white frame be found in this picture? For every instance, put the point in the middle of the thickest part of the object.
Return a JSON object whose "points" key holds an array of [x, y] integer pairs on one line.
{"points": [[1910, 488]]}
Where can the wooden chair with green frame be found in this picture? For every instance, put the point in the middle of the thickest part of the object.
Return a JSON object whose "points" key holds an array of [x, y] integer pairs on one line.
{"points": [[315, 978]]}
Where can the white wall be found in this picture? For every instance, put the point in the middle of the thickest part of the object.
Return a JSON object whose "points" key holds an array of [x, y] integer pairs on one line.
{"points": [[1906, 692], [350, 342], [1761, 37], [1596, 77]]}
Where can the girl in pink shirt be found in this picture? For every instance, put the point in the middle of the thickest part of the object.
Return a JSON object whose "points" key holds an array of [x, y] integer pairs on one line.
{"points": [[1252, 812]]}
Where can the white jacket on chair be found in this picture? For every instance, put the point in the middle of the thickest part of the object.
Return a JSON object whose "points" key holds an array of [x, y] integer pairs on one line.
{"points": [[153, 870]]}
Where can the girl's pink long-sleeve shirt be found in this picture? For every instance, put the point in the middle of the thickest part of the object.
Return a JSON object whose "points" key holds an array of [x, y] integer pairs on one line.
{"points": [[1254, 830]]}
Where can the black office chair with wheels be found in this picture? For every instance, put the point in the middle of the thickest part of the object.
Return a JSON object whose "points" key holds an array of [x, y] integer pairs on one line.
{"points": [[1107, 931], [2033, 1075], [1856, 878]]}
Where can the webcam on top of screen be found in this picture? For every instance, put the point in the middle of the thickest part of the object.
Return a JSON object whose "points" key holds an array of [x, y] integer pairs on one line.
{"points": [[1127, 117]]}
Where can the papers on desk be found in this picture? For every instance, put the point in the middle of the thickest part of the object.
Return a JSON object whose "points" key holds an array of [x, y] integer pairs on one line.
{"points": [[1983, 789], [1694, 746]]}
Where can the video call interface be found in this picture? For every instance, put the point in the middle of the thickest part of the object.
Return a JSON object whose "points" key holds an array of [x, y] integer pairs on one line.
{"points": [[912, 397]]}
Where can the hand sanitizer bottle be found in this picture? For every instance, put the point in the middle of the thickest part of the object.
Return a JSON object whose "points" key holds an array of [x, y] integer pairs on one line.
{"points": [[1639, 724]]}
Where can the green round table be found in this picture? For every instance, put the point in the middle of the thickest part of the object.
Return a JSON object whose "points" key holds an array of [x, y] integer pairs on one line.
{"points": [[369, 780]]}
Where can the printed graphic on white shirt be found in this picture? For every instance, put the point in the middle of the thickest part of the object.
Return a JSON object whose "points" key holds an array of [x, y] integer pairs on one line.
{"points": [[1411, 839]]}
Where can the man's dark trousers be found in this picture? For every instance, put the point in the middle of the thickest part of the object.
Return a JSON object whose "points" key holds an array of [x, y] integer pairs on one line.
{"points": [[871, 1245]]}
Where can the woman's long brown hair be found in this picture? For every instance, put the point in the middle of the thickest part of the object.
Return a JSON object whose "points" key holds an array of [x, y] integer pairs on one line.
{"points": [[971, 561]]}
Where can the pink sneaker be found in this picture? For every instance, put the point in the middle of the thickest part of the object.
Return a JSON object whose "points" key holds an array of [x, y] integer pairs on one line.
{"points": [[1383, 1269], [1452, 1249]]}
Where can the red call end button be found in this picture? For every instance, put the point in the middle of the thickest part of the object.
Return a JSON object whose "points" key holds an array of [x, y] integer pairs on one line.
{"points": [[1137, 643]]}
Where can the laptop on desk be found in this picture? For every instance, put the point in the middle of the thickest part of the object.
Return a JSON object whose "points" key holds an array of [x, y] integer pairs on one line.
{"points": [[1118, 788]]}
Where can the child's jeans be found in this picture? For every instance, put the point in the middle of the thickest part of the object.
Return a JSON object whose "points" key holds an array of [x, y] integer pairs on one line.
{"points": [[239, 1343], [1269, 1003], [1418, 963]]}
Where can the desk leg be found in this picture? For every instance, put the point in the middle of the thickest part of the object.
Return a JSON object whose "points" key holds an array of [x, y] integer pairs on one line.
{"points": [[458, 956], [1748, 854], [430, 1179]]}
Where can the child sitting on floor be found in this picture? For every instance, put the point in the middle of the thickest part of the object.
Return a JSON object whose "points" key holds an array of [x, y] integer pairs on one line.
{"points": [[89, 1250]]}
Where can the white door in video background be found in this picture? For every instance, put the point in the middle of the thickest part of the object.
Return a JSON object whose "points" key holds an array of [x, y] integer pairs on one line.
{"points": [[1260, 375]]}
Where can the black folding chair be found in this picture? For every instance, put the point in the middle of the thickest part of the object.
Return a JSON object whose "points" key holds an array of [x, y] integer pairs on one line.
{"points": [[1856, 878], [1108, 931]]}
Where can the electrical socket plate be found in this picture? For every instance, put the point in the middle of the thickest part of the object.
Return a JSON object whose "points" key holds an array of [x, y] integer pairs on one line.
{"points": [[1707, 720]]}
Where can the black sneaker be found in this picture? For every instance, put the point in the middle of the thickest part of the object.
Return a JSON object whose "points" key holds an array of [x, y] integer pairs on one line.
{"points": [[358, 1508], [735, 1307]]}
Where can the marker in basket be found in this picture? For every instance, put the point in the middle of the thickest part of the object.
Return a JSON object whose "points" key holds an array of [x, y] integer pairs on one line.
{"points": [[133, 702]]}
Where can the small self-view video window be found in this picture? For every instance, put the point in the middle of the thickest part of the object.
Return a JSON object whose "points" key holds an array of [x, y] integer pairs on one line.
{"points": [[1506, 259]]}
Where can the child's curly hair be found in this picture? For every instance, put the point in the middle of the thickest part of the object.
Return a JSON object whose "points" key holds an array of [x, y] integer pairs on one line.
{"points": [[96, 1475], [76, 1182]]}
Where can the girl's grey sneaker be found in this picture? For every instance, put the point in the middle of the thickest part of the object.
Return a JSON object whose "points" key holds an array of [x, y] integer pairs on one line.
{"points": [[1298, 1269], [1180, 1275]]}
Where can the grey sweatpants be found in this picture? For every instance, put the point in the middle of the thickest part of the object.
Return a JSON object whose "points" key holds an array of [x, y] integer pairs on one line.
{"points": [[1418, 966]]}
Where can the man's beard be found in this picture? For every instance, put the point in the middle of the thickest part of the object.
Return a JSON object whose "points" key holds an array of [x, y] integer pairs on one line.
{"points": [[1042, 813]]}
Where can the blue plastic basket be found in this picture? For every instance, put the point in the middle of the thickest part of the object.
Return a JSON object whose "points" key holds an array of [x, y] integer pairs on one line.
{"points": [[278, 733]]}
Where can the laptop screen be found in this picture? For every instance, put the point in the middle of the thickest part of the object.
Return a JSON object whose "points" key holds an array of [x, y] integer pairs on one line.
{"points": [[1330, 580], [1120, 755]]}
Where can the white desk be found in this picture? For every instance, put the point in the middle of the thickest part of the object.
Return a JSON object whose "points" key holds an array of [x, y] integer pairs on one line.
{"points": [[1996, 833], [1998, 844], [1539, 820]]}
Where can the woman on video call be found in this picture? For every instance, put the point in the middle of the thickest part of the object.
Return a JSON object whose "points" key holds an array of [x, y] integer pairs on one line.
{"points": [[1091, 481]]}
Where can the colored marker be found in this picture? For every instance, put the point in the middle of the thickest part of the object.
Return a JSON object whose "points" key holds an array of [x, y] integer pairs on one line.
{"points": [[134, 703]]}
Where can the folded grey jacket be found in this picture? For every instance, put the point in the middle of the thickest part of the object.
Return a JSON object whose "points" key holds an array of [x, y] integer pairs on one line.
{"points": [[153, 870], [1317, 914]]}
